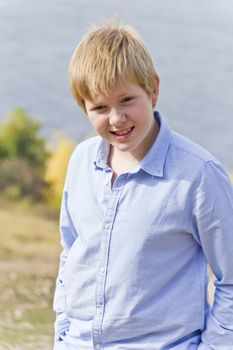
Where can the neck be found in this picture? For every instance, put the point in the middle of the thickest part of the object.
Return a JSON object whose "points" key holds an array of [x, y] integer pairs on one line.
{"points": [[121, 162]]}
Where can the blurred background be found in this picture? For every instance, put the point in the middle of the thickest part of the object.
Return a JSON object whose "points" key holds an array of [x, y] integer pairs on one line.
{"points": [[192, 46]]}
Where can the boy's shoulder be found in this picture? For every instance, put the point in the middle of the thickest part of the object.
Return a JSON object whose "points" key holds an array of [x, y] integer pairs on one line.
{"points": [[179, 151], [190, 150], [83, 157], [188, 160], [91, 144], [87, 148]]}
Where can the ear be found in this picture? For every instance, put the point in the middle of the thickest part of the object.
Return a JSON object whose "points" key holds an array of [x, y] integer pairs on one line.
{"points": [[155, 92]]}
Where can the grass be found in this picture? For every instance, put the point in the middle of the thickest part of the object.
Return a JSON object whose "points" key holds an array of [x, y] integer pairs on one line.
{"points": [[29, 249]]}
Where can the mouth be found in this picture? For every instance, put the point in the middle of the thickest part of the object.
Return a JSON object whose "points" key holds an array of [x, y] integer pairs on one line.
{"points": [[123, 132]]}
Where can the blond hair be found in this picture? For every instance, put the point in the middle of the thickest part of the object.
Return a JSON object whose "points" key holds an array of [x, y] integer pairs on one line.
{"points": [[107, 55]]}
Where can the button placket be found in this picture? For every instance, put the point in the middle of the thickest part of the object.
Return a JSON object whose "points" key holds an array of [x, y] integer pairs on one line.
{"points": [[112, 196]]}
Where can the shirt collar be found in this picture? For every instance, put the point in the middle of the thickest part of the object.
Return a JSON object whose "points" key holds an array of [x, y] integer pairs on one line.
{"points": [[154, 160], [101, 160]]}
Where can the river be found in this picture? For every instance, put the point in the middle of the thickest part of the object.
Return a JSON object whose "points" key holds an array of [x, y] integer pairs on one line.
{"points": [[191, 42]]}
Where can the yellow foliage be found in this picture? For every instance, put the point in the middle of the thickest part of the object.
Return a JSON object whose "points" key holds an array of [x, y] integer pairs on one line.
{"points": [[57, 167]]}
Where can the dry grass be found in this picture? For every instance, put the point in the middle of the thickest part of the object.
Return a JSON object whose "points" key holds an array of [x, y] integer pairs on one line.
{"points": [[29, 251]]}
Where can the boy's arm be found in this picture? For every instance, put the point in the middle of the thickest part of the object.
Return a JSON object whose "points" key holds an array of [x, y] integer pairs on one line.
{"points": [[68, 236], [214, 221]]}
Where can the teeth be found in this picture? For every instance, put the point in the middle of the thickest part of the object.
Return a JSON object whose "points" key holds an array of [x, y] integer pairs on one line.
{"points": [[122, 132]]}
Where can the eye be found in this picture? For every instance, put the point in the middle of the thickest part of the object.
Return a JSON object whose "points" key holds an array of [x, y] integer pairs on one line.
{"points": [[127, 99], [100, 108]]}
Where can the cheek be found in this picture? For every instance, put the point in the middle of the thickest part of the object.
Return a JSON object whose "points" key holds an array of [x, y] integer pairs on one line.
{"points": [[138, 116], [99, 123]]}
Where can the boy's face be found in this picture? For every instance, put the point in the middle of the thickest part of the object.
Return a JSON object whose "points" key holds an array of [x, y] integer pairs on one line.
{"points": [[125, 118]]}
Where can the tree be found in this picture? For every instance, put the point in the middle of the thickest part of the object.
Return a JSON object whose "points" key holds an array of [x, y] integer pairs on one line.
{"points": [[23, 155], [57, 167], [19, 138]]}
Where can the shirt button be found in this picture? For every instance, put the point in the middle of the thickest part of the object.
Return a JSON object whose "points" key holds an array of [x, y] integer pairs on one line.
{"points": [[99, 310], [106, 182], [107, 226], [102, 269], [98, 346]]}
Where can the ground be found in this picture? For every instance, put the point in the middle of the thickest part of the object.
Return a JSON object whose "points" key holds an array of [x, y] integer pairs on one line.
{"points": [[29, 249]]}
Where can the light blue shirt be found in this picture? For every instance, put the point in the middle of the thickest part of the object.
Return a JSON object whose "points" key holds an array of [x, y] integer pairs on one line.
{"points": [[133, 270]]}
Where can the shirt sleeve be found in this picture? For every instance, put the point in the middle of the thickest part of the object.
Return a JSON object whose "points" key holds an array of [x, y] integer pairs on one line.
{"points": [[214, 221], [68, 237]]}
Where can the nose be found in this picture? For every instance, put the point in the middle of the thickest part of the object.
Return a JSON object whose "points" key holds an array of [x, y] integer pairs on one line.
{"points": [[117, 117]]}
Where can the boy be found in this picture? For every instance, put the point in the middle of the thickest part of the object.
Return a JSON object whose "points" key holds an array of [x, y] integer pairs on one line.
{"points": [[144, 210]]}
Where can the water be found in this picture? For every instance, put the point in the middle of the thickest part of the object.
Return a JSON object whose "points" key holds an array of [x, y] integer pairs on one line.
{"points": [[191, 42]]}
